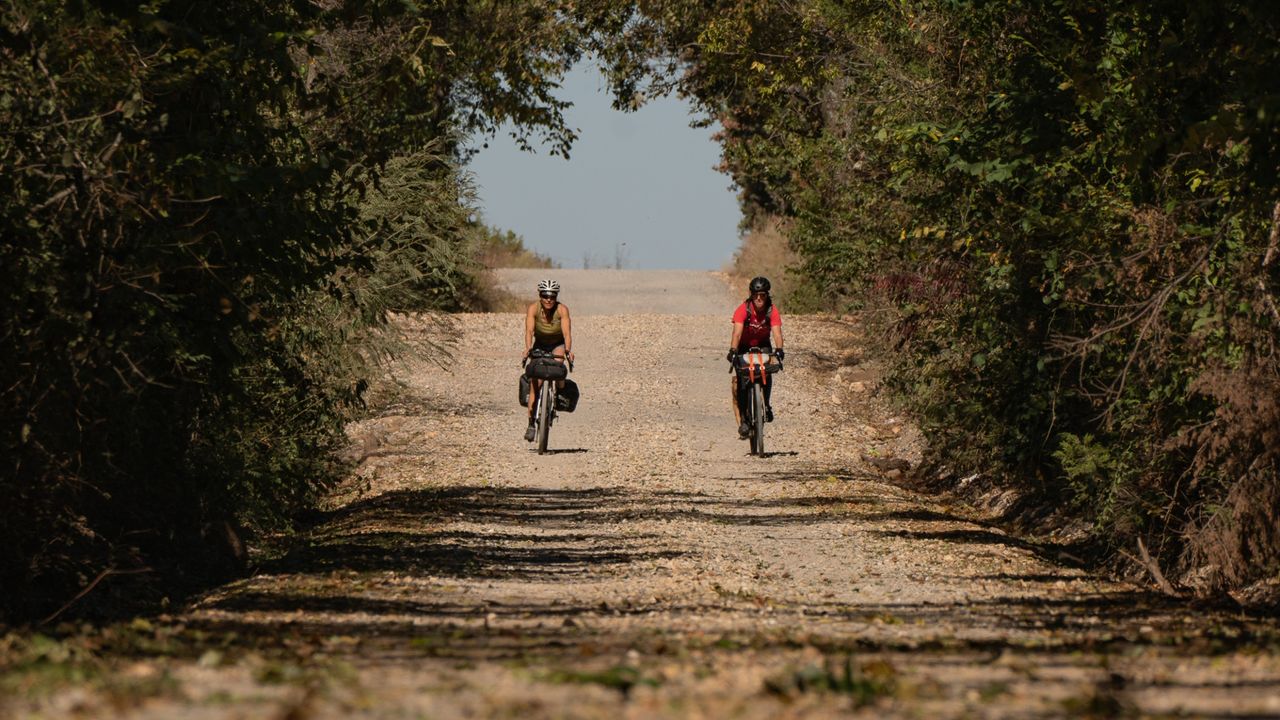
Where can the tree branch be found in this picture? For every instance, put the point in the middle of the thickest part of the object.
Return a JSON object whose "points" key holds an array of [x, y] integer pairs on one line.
{"points": [[1275, 236], [1165, 586], [56, 197], [89, 588], [1267, 259]]}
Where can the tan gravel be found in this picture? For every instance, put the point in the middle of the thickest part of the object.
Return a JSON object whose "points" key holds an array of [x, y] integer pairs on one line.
{"points": [[651, 567]]}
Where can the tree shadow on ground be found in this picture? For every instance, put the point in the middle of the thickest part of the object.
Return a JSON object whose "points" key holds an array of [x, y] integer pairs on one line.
{"points": [[1057, 553], [916, 514], [545, 534], [557, 509], [450, 626], [494, 556], [1067, 554], [388, 576]]}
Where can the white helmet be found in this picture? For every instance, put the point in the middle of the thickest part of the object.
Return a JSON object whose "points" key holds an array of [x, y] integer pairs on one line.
{"points": [[548, 286]]}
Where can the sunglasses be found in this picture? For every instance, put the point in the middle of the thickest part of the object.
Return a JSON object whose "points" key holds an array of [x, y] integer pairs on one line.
{"points": [[547, 296]]}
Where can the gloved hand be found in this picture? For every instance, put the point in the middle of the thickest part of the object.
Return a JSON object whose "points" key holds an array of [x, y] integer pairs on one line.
{"points": [[779, 354], [731, 356]]}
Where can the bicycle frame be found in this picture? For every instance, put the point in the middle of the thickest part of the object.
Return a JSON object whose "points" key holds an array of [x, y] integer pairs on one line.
{"points": [[754, 368], [544, 407]]}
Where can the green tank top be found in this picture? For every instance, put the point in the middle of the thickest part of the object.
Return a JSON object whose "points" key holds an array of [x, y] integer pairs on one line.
{"points": [[548, 332]]}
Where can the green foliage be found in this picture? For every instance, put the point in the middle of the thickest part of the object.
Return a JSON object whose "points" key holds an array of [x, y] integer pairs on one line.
{"points": [[864, 682], [1093, 476], [505, 249], [419, 244], [209, 210], [1063, 214]]}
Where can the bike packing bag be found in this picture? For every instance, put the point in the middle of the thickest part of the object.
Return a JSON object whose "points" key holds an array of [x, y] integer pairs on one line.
{"points": [[771, 369], [524, 391], [745, 366], [567, 397], [546, 369]]}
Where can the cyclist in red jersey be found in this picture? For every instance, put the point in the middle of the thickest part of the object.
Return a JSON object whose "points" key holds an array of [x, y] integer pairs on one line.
{"points": [[756, 324]]}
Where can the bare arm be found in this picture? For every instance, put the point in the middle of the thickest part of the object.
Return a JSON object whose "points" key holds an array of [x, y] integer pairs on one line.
{"points": [[777, 337], [567, 331], [528, 328], [737, 336]]}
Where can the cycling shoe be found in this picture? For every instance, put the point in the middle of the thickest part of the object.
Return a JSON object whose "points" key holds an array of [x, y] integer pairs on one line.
{"points": [[744, 430], [528, 434], [768, 414]]}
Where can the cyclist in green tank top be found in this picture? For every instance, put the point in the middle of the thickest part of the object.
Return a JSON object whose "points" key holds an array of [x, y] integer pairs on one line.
{"points": [[547, 327], [548, 333]]}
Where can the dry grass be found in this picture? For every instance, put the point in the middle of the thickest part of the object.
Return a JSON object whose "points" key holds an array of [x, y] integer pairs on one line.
{"points": [[505, 258], [766, 251], [490, 297], [497, 249]]}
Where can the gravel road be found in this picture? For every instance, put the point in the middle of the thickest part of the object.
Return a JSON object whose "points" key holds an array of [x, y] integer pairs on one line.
{"points": [[623, 292], [651, 567]]}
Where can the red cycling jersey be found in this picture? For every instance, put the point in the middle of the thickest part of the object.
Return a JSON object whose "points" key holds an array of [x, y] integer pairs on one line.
{"points": [[755, 330]]}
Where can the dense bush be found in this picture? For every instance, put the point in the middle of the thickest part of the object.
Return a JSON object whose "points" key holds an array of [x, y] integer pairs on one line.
{"points": [[506, 249], [208, 208], [1070, 209]]}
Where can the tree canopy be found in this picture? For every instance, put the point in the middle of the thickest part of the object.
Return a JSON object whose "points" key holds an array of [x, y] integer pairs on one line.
{"points": [[1067, 209], [207, 209]]}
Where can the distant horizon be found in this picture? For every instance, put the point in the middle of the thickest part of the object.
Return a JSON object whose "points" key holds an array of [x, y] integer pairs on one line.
{"points": [[640, 189]]}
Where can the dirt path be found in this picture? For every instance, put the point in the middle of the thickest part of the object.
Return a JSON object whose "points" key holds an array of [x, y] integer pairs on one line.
{"points": [[651, 567]]}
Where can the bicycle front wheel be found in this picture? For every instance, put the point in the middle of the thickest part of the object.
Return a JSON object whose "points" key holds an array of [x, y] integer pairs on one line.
{"points": [[757, 419], [546, 398]]}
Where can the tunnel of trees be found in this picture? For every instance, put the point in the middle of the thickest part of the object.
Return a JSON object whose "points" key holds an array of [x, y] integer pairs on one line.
{"points": [[1060, 218]]}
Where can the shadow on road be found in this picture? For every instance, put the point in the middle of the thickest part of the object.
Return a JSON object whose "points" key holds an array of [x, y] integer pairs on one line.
{"points": [[389, 573], [1053, 552]]}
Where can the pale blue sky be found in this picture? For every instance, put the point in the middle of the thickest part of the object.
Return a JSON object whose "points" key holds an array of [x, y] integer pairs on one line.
{"points": [[642, 184]]}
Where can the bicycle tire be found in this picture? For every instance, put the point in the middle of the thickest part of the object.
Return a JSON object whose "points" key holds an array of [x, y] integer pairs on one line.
{"points": [[546, 397], [757, 418]]}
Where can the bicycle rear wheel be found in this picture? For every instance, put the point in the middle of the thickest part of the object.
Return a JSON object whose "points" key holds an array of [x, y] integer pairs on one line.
{"points": [[546, 398], [757, 419]]}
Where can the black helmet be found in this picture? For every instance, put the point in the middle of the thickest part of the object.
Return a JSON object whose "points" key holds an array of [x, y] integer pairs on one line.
{"points": [[760, 284]]}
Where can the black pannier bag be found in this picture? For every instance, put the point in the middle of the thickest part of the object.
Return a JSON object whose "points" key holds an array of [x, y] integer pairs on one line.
{"points": [[567, 397], [524, 391], [546, 369]]}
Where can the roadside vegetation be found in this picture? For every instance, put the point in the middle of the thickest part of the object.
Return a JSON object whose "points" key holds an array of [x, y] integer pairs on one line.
{"points": [[1066, 213], [505, 249], [765, 249], [209, 210], [494, 248], [1066, 217]]}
